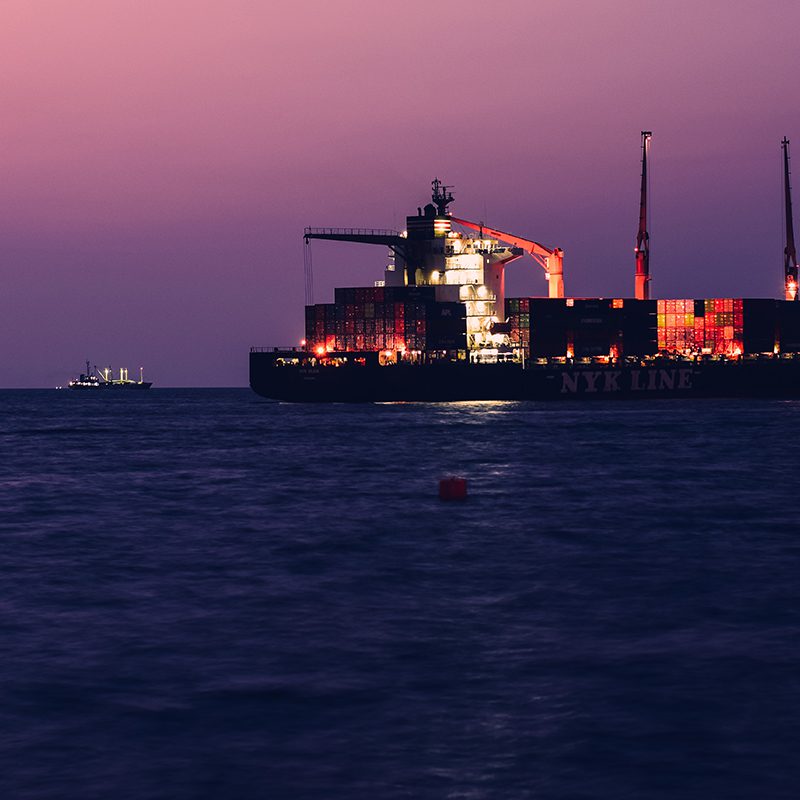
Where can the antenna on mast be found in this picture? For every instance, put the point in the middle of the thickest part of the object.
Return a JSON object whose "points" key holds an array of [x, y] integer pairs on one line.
{"points": [[441, 197], [789, 252], [642, 249]]}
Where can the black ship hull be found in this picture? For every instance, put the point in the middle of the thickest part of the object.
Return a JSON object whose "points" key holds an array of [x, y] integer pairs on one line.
{"points": [[454, 381]]}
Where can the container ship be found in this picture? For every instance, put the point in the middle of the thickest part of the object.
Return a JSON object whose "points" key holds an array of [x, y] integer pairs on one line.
{"points": [[439, 327], [103, 380]]}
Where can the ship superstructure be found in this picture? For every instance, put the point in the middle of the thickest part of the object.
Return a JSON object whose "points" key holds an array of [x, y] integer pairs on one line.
{"points": [[463, 268]]}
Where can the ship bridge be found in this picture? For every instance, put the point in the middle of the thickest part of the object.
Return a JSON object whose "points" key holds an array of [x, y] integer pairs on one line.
{"points": [[464, 267]]}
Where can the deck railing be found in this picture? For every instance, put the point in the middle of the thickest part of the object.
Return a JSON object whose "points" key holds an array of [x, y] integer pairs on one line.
{"points": [[350, 232], [286, 349]]}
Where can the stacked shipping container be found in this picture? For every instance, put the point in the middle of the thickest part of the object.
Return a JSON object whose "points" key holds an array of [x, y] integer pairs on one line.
{"points": [[713, 326], [518, 314], [598, 327], [410, 318], [551, 327], [385, 318]]}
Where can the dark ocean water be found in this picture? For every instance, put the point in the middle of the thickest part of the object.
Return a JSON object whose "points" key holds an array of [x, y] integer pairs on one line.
{"points": [[208, 595]]}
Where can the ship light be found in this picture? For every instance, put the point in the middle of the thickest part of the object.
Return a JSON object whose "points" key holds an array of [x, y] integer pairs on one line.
{"points": [[321, 350], [303, 343]]}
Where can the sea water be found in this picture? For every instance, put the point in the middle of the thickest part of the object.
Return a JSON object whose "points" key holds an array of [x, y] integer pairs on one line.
{"points": [[206, 594]]}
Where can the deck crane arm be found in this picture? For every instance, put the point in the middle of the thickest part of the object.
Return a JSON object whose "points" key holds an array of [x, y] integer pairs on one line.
{"points": [[397, 243], [642, 249], [551, 260], [391, 239], [789, 253]]}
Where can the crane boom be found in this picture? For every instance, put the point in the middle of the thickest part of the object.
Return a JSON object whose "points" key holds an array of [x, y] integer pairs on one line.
{"points": [[789, 253], [551, 260], [392, 239], [642, 249]]}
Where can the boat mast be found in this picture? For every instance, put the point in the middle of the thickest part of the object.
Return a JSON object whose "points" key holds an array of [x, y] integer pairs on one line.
{"points": [[441, 196], [642, 249], [789, 252]]}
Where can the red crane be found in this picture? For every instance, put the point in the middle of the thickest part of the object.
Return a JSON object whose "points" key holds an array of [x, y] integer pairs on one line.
{"points": [[789, 253], [551, 260], [642, 249]]}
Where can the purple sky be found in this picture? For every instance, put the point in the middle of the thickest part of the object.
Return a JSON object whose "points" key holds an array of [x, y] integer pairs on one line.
{"points": [[160, 158]]}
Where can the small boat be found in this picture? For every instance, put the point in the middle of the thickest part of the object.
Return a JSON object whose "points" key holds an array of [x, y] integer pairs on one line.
{"points": [[104, 380]]}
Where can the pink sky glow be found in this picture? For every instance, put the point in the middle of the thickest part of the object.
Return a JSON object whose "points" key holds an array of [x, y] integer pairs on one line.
{"points": [[159, 159]]}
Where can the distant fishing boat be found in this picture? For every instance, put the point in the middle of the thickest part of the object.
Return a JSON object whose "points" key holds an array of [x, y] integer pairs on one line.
{"points": [[104, 380]]}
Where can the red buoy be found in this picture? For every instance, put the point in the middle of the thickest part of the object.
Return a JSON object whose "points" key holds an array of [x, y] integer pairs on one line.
{"points": [[453, 489]]}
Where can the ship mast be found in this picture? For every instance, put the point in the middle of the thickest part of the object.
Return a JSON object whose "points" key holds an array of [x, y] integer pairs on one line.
{"points": [[789, 252], [642, 249], [441, 196]]}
